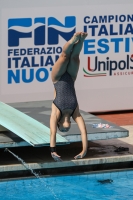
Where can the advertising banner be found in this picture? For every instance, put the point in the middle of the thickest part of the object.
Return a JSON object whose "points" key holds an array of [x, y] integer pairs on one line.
{"points": [[32, 41]]}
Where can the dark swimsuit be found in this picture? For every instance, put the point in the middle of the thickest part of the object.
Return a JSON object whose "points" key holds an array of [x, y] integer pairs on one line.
{"points": [[65, 93]]}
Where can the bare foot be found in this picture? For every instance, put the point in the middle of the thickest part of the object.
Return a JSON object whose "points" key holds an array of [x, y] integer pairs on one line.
{"points": [[83, 36], [75, 38], [56, 157]]}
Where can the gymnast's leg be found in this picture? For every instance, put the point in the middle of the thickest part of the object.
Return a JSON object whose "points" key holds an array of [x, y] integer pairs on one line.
{"points": [[60, 66], [73, 65]]}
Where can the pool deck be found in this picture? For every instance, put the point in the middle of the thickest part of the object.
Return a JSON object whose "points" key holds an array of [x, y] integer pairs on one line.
{"points": [[100, 152]]}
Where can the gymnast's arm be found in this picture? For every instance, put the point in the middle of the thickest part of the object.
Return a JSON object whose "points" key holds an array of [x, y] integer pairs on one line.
{"points": [[53, 130], [81, 124]]}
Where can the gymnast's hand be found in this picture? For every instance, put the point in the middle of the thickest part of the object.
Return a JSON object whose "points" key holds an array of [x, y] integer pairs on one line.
{"points": [[80, 155], [56, 157]]}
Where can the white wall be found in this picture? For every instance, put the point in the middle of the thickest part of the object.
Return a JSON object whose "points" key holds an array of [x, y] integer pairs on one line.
{"points": [[93, 94]]}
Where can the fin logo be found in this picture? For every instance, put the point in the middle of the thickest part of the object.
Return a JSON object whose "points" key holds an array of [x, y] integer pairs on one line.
{"points": [[24, 27]]}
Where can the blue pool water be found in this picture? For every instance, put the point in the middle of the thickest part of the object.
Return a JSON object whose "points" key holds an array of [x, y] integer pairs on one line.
{"points": [[116, 185]]}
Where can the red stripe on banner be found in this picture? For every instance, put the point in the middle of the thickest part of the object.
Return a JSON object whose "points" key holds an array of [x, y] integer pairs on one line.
{"points": [[93, 76]]}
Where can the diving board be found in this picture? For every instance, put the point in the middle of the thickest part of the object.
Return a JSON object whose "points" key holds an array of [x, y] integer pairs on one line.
{"points": [[41, 111], [24, 126]]}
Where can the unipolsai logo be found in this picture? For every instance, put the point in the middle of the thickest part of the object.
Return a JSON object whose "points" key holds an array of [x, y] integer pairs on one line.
{"points": [[35, 61], [109, 66]]}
